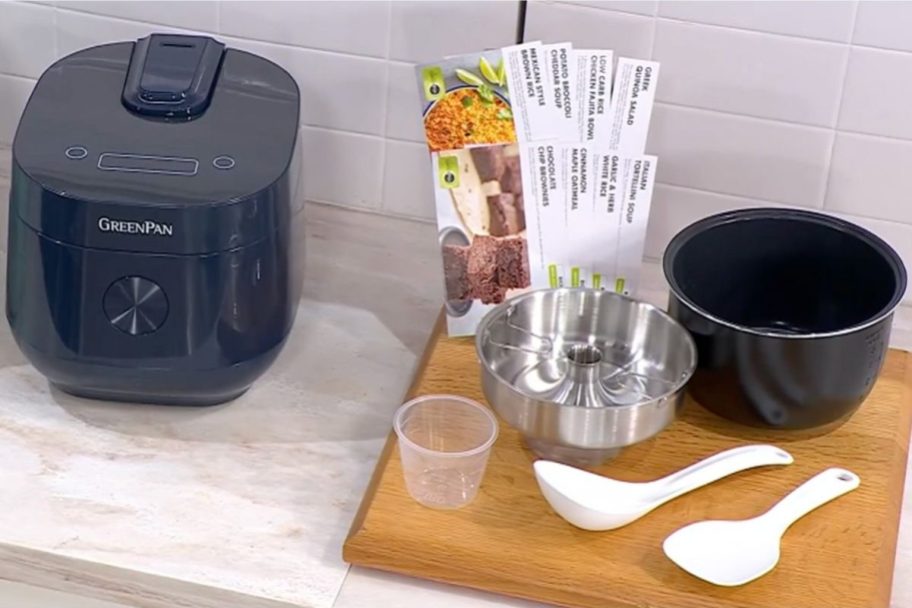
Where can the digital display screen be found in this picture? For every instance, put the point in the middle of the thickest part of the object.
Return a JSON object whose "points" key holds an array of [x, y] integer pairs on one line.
{"points": [[143, 163]]}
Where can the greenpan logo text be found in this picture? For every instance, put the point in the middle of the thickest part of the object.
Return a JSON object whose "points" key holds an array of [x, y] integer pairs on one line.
{"points": [[147, 227]]}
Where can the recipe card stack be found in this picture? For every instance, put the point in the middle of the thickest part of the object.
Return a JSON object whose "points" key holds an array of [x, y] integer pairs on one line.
{"points": [[539, 172]]}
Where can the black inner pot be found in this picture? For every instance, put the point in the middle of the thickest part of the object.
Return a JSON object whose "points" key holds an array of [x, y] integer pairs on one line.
{"points": [[785, 271]]}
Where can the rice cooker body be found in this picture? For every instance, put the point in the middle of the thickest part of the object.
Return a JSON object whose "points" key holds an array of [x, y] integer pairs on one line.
{"points": [[153, 251]]}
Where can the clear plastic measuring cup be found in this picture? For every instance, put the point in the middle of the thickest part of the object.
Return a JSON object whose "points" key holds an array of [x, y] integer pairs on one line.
{"points": [[444, 442]]}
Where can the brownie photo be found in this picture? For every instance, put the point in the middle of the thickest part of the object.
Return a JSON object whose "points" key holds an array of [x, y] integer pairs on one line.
{"points": [[513, 264], [506, 218], [498, 261], [486, 269], [455, 272], [489, 162], [511, 179], [501, 174], [520, 206], [483, 272]]}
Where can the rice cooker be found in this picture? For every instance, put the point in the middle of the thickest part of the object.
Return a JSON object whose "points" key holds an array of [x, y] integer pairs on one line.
{"points": [[154, 221]]}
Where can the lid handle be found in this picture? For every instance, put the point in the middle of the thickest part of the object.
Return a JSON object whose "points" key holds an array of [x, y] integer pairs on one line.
{"points": [[172, 75]]}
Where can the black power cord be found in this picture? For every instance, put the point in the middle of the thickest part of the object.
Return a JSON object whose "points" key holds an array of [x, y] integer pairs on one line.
{"points": [[521, 22]]}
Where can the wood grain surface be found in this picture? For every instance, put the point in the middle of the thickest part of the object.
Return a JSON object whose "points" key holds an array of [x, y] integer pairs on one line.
{"points": [[509, 541]]}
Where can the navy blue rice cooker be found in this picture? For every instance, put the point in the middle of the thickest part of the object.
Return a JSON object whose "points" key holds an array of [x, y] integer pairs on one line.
{"points": [[154, 221]]}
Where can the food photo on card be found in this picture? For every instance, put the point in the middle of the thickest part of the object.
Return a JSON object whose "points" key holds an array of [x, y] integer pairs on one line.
{"points": [[478, 184]]}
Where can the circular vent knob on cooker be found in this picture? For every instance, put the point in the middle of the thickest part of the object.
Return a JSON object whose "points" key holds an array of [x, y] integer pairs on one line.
{"points": [[135, 305]]}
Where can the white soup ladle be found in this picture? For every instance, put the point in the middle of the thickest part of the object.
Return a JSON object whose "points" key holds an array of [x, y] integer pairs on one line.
{"points": [[594, 502]]}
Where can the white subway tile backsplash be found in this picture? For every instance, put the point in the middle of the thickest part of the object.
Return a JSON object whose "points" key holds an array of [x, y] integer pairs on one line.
{"points": [[871, 177], [748, 157], [337, 91], [407, 185], [360, 27], [27, 39], [14, 92], [192, 14], [674, 208], [878, 93], [884, 24], [628, 35], [342, 168], [826, 20], [403, 104], [77, 30], [428, 31], [791, 79], [640, 7], [739, 79]]}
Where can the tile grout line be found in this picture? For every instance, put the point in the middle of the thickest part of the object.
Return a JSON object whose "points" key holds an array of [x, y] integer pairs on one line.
{"points": [[669, 104], [842, 94], [761, 201], [753, 31], [656, 15], [588, 8], [250, 38], [373, 211], [655, 33], [654, 12], [345, 131], [18, 77], [734, 195], [384, 154], [662, 103], [559, 4], [56, 33], [783, 121]]}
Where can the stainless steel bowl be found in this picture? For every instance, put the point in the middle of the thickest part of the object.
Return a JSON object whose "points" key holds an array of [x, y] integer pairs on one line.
{"points": [[583, 373]]}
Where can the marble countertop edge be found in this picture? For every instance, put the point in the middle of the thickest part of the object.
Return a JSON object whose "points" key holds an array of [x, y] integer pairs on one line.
{"points": [[122, 585]]}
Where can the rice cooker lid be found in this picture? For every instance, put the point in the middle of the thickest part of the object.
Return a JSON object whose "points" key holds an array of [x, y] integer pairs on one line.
{"points": [[174, 127]]}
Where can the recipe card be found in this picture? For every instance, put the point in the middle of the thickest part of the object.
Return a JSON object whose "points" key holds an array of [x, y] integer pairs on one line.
{"points": [[563, 84], [581, 236], [611, 173], [534, 112], [593, 96], [631, 105], [540, 181], [547, 252], [634, 212]]}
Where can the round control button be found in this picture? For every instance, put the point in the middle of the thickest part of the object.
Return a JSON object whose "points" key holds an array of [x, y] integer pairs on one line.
{"points": [[135, 305], [76, 152], [223, 162]]}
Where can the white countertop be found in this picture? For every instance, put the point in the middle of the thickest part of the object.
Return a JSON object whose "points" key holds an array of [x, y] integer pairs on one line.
{"points": [[245, 504]]}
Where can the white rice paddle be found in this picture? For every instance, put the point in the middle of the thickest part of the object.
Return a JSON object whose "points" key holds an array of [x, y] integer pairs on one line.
{"points": [[594, 502], [731, 553]]}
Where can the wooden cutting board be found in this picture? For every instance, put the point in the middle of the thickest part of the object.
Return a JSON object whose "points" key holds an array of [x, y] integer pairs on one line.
{"points": [[509, 541]]}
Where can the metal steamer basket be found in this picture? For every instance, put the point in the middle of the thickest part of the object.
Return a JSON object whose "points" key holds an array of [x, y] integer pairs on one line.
{"points": [[582, 373]]}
